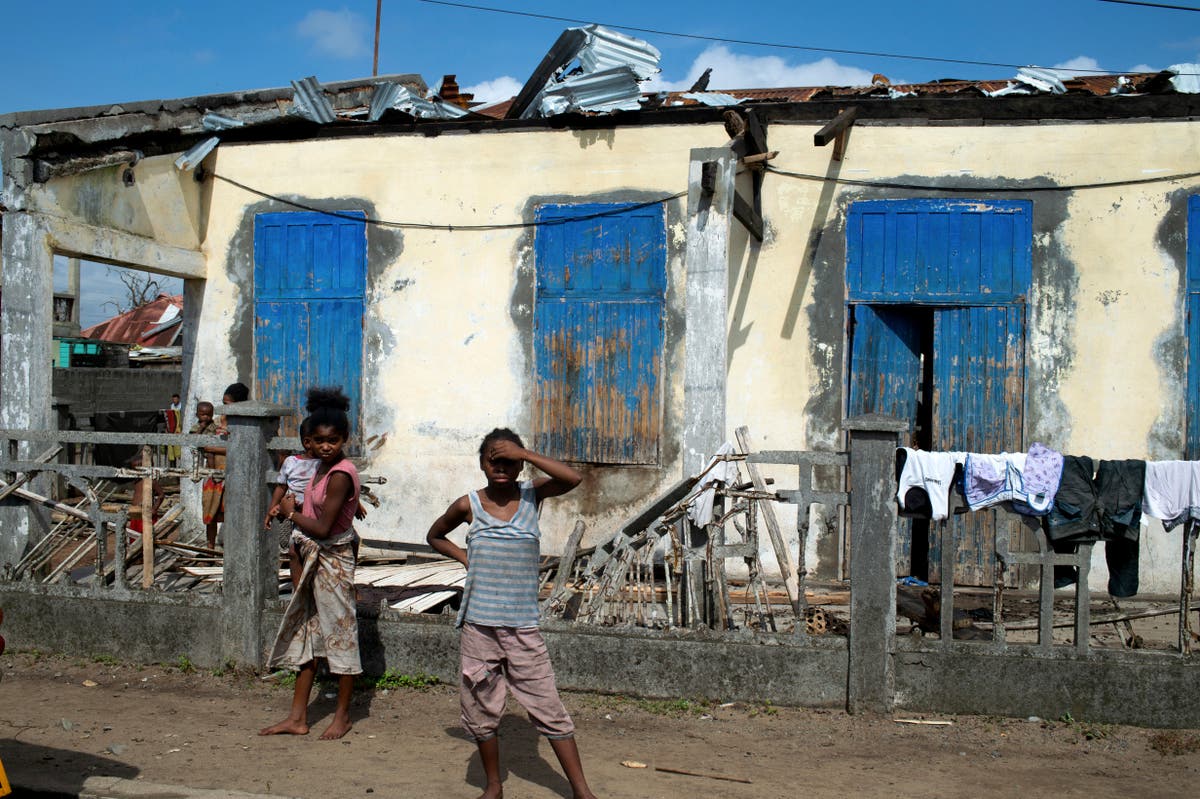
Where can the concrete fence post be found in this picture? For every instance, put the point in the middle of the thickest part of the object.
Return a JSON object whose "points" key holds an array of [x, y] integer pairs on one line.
{"points": [[251, 578], [873, 528]]}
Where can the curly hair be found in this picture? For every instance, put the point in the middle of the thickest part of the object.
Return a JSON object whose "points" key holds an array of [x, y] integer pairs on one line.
{"points": [[500, 434], [237, 392], [327, 405]]}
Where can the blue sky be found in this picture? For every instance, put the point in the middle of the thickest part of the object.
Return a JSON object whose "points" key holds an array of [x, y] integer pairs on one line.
{"points": [[80, 52], [83, 53]]}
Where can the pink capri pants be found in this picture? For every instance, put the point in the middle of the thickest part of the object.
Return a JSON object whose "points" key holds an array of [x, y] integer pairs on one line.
{"points": [[496, 658]]}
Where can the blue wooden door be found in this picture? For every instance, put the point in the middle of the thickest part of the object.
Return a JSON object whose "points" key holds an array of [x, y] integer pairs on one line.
{"points": [[969, 263], [598, 332], [309, 293], [885, 377], [978, 406], [1192, 405]]}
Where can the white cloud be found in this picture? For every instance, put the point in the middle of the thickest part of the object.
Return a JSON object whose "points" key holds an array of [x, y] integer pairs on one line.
{"points": [[733, 71], [1079, 65], [1143, 68], [341, 34], [490, 91]]}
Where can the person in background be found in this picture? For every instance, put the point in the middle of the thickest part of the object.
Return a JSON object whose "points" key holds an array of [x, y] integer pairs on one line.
{"points": [[214, 486], [174, 419]]}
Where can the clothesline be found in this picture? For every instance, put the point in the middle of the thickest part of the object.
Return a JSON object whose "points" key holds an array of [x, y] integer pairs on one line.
{"points": [[1078, 499]]}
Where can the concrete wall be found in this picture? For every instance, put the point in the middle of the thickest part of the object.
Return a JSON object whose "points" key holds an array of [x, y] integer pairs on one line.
{"points": [[98, 390], [150, 628]]}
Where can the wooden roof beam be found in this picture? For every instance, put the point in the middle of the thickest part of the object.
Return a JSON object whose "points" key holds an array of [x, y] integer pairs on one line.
{"points": [[837, 131]]}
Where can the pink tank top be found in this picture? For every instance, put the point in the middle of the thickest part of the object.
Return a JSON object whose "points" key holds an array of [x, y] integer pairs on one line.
{"points": [[314, 503]]}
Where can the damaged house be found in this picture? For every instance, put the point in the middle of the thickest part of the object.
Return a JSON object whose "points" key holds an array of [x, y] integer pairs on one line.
{"points": [[626, 277]]}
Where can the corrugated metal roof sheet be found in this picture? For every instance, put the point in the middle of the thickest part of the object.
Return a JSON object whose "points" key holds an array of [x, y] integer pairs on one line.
{"points": [[614, 89], [393, 95], [607, 48], [196, 153], [310, 101]]}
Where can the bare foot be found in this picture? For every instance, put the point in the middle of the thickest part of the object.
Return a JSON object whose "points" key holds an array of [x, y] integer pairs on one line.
{"points": [[492, 792], [336, 729], [286, 727]]}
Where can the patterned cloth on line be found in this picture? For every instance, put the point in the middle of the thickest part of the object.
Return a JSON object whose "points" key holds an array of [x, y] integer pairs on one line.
{"points": [[321, 619]]}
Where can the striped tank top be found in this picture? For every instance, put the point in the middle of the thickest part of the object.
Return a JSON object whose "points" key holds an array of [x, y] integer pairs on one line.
{"points": [[502, 571]]}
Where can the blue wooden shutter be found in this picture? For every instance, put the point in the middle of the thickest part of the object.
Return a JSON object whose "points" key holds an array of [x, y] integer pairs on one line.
{"points": [[885, 377], [978, 406], [954, 252], [885, 362], [1192, 404], [598, 332], [309, 296]]}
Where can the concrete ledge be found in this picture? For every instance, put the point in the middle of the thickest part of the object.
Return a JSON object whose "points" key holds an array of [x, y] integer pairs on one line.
{"points": [[677, 664], [151, 628], [1158, 691]]}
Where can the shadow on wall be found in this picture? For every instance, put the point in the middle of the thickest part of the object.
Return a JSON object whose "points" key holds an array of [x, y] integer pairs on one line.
{"points": [[812, 245]]}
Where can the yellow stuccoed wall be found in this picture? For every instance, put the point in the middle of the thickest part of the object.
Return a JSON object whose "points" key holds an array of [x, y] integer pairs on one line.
{"points": [[447, 339]]}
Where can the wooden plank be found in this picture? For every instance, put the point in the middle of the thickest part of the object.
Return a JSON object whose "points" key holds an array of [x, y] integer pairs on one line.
{"points": [[745, 213], [790, 580], [835, 128], [147, 504], [566, 563], [565, 48]]}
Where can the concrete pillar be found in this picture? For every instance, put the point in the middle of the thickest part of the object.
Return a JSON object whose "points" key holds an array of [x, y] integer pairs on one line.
{"points": [[26, 360], [711, 178], [251, 557], [73, 287], [873, 530]]}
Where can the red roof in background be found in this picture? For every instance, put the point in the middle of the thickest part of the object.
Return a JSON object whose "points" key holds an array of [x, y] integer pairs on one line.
{"points": [[133, 326]]}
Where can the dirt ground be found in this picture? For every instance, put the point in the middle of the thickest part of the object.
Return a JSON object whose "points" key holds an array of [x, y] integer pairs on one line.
{"points": [[180, 726]]}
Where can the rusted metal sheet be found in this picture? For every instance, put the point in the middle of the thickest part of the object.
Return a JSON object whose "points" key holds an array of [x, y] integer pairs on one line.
{"points": [[598, 333]]}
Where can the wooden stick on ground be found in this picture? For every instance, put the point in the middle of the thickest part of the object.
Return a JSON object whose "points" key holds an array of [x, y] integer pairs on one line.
{"points": [[686, 773]]}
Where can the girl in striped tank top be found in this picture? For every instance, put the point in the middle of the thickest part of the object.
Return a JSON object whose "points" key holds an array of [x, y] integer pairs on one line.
{"points": [[501, 648]]}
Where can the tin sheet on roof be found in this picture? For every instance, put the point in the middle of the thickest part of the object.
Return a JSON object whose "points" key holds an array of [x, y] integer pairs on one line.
{"points": [[196, 153], [402, 98], [214, 121], [310, 101], [614, 89], [717, 99], [1185, 78], [606, 49]]}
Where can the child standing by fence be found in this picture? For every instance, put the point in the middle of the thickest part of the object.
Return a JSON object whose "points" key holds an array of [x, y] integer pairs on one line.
{"points": [[321, 618], [500, 646]]}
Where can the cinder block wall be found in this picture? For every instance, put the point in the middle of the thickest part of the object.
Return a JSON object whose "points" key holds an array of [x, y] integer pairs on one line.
{"points": [[99, 390]]}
